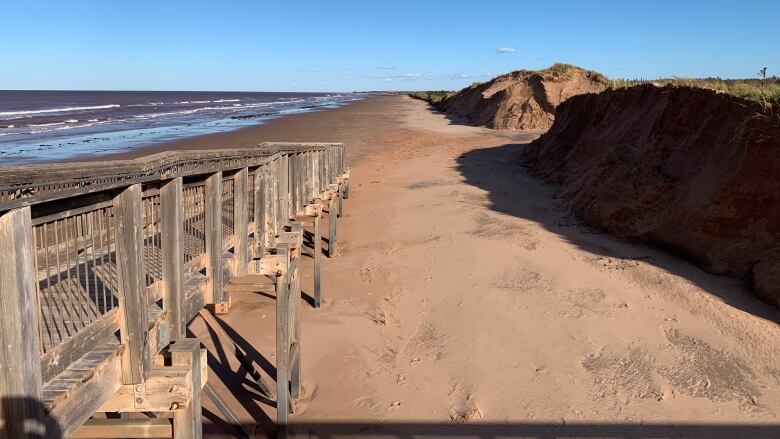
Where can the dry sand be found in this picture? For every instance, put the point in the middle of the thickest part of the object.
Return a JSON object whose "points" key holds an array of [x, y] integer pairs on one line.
{"points": [[465, 302]]}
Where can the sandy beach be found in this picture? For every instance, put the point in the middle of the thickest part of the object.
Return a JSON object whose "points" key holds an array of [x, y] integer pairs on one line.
{"points": [[464, 301]]}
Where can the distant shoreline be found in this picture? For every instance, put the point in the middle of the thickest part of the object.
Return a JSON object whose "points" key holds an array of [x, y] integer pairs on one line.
{"points": [[311, 126], [44, 127]]}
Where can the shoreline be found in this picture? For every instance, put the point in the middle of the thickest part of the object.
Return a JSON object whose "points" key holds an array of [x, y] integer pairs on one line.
{"points": [[310, 126]]}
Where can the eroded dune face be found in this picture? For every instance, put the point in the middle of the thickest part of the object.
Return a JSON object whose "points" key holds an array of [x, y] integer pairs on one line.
{"points": [[689, 169], [523, 99]]}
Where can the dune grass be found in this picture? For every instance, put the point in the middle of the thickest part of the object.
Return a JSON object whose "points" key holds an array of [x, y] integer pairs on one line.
{"points": [[432, 97], [760, 90]]}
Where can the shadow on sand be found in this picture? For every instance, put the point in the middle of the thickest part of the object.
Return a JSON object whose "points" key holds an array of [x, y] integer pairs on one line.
{"points": [[514, 191]]}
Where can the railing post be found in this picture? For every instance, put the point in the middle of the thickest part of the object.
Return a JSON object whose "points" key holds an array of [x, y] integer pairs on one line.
{"points": [[133, 324], [20, 365], [213, 231], [317, 252], [240, 221], [284, 191], [260, 215], [171, 232], [332, 218], [273, 201], [294, 184]]}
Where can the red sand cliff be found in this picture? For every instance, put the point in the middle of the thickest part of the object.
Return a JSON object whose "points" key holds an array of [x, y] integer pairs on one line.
{"points": [[689, 169], [523, 99]]}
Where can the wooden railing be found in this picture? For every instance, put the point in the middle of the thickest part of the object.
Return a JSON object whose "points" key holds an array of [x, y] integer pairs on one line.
{"points": [[102, 265]]}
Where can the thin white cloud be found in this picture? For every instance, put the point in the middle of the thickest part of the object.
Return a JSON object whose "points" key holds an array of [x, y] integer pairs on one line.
{"points": [[505, 50], [384, 67], [425, 76]]}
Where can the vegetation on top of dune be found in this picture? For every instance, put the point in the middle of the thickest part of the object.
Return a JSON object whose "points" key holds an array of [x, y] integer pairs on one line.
{"points": [[561, 70], [432, 97], [763, 89]]}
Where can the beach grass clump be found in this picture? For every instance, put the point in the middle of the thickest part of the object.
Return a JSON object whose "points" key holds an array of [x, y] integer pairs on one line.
{"points": [[432, 97], [561, 70]]}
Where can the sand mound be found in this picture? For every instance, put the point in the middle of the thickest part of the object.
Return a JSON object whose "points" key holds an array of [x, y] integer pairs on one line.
{"points": [[523, 99], [689, 169]]}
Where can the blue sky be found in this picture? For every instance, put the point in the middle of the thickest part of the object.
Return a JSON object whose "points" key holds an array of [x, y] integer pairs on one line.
{"points": [[364, 45]]}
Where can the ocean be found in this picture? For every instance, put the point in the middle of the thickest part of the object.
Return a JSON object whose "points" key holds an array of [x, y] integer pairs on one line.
{"points": [[61, 125]]}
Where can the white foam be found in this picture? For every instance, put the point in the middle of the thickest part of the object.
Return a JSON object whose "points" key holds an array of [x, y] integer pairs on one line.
{"points": [[57, 110]]}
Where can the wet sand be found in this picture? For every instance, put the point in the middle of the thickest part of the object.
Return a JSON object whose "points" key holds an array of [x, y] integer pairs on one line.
{"points": [[464, 301]]}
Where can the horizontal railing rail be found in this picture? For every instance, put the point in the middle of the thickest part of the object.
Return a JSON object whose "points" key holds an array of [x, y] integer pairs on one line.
{"points": [[25, 185]]}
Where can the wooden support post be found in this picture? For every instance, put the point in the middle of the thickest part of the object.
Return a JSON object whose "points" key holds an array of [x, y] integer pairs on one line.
{"points": [[295, 316], [332, 215], [240, 222], [294, 183], [133, 324], [273, 202], [20, 365], [213, 231], [282, 344], [284, 192], [171, 232], [187, 423], [317, 252], [260, 214]]}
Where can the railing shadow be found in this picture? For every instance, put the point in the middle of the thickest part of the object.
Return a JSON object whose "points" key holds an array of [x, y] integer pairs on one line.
{"points": [[25, 418], [512, 190]]}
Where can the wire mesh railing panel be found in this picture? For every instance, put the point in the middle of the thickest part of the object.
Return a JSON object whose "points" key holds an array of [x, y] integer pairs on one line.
{"points": [[152, 240], [227, 208], [194, 222], [75, 263]]}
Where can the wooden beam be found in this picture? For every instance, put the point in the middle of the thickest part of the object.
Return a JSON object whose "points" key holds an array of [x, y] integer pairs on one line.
{"points": [[20, 367], [84, 387], [70, 350], [124, 428], [214, 238], [171, 231], [133, 322]]}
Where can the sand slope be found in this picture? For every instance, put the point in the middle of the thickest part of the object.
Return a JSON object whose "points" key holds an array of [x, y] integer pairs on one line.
{"points": [[687, 168], [465, 299], [524, 99]]}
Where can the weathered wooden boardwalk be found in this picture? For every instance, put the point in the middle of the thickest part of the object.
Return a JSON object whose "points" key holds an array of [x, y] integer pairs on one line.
{"points": [[104, 264]]}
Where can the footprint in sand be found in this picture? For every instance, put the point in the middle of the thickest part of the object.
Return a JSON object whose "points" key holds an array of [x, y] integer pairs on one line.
{"points": [[519, 279]]}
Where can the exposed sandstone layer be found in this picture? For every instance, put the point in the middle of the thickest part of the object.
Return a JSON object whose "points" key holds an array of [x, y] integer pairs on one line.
{"points": [[684, 168], [523, 99]]}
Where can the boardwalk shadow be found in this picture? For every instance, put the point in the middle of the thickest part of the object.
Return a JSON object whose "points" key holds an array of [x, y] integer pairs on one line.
{"points": [[535, 430], [512, 190]]}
